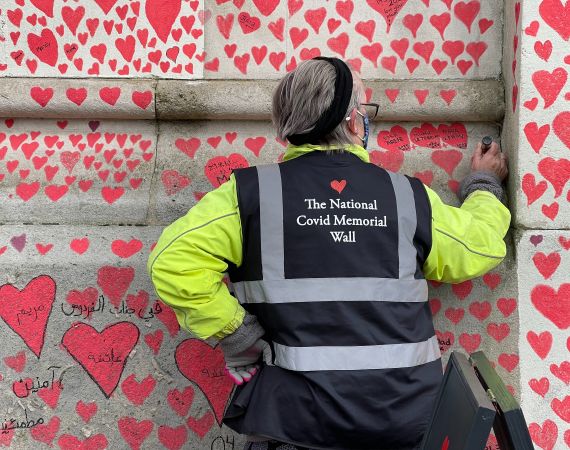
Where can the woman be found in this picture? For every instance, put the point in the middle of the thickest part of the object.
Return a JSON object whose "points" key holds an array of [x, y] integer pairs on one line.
{"points": [[330, 338]]}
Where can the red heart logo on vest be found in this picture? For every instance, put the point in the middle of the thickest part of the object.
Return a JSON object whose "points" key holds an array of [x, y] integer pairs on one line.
{"points": [[27, 311], [338, 185]]}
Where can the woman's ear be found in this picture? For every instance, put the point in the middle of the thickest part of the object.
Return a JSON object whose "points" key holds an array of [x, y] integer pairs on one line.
{"points": [[351, 122]]}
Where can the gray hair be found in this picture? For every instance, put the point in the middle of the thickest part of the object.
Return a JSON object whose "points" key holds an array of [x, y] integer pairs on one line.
{"points": [[303, 95]]}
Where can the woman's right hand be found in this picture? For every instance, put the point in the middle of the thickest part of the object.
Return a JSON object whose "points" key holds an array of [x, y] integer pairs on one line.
{"points": [[493, 161]]}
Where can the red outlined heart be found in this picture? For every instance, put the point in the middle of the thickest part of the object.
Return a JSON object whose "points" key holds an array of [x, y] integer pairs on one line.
{"points": [[27, 311], [208, 375], [103, 354]]}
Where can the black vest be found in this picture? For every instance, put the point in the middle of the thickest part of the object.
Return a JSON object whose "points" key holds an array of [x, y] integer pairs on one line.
{"points": [[333, 250]]}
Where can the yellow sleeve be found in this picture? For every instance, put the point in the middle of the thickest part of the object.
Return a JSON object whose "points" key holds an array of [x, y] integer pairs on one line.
{"points": [[188, 262], [466, 241]]}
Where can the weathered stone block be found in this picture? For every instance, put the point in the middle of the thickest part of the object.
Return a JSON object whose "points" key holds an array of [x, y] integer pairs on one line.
{"points": [[195, 157], [543, 260], [89, 349], [75, 171]]}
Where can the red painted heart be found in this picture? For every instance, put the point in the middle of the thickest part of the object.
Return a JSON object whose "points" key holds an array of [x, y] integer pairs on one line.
{"points": [[133, 431], [557, 15], [44, 46], [546, 264], [447, 159], [27, 311], [549, 84], [426, 136], [395, 139], [103, 354], [553, 304], [561, 126], [388, 9], [219, 168], [454, 135], [115, 281], [162, 14], [209, 375], [544, 436], [557, 172], [540, 343], [46, 6]]}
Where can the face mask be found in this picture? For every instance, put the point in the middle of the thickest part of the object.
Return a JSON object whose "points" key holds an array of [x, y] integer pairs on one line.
{"points": [[364, 138]]}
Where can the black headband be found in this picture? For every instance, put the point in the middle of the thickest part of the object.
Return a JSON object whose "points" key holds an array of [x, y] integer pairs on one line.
{"points": [[336, 112]]}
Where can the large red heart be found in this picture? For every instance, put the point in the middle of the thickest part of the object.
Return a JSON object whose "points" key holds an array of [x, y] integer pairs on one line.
{"points": [[103, 354], [554, 305], [106, 5], [395, 139], [266, 7], [205, 366], [219, 168], [557, 16], [44, 46], [426, 136], [388, 9], [27, 311], [46, 6], [454, 134], [162, 14]]}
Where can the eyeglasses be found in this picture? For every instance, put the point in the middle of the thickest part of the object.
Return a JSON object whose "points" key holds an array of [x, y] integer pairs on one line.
{"points": [[371, 109]]}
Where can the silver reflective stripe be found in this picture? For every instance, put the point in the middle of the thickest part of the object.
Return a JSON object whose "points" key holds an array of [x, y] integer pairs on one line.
{"points": [[271, 218], [407, 223], [364, 357], [331, 289]]}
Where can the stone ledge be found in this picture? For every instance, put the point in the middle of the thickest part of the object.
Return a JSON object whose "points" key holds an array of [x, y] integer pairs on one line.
{"points": [[461, 101], [61, 98]]}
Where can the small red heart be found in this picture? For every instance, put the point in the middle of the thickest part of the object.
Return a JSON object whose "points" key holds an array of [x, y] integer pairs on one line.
{"points": [[338, 185]]}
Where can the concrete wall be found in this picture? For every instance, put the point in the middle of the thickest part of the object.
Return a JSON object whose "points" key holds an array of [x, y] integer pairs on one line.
{"points": [[116, 119]]}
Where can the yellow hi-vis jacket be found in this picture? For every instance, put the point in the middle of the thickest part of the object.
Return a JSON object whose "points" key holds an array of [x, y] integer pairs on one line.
{"points": [[188, 263]]}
